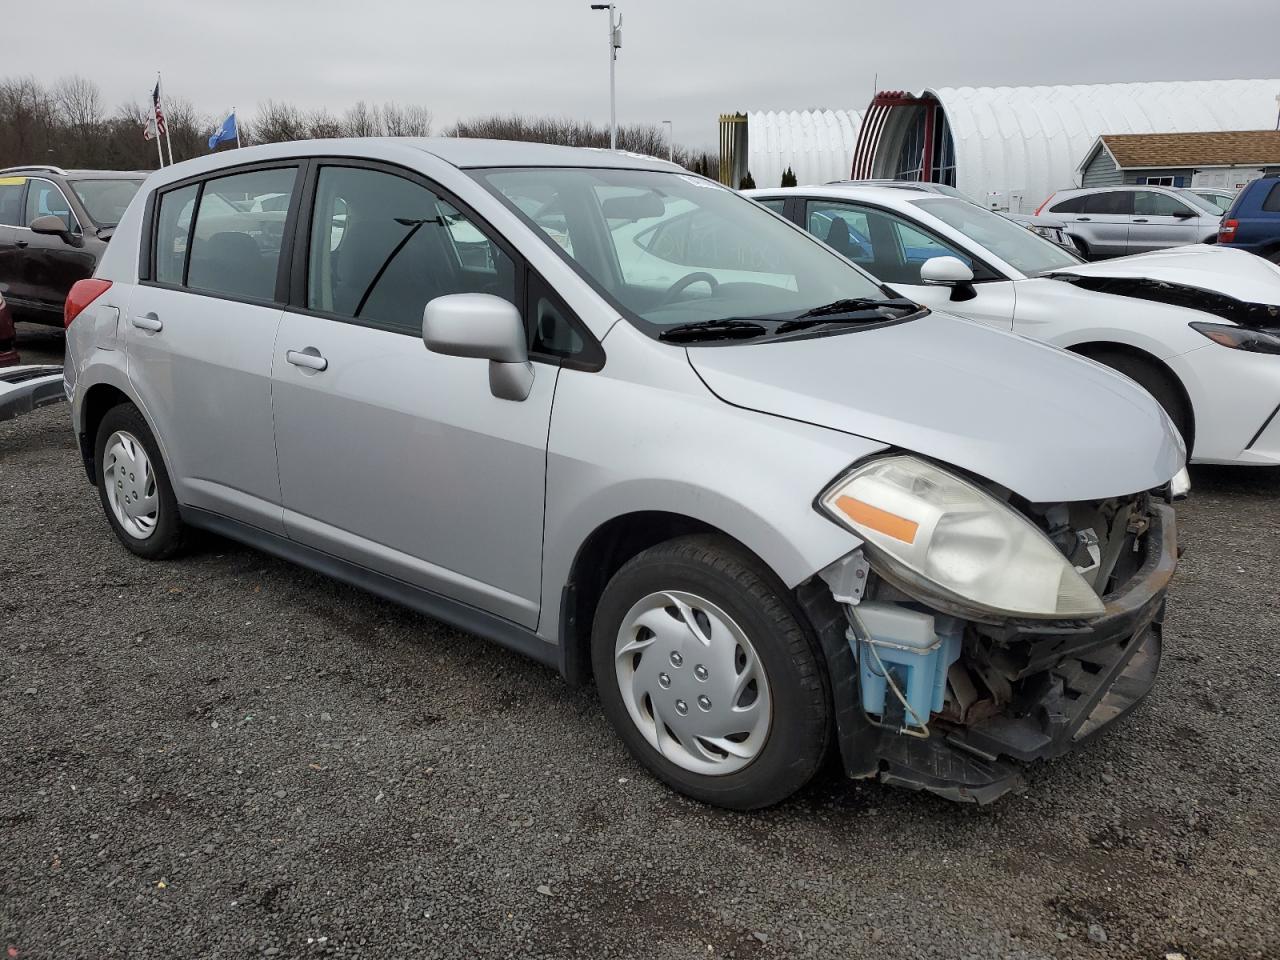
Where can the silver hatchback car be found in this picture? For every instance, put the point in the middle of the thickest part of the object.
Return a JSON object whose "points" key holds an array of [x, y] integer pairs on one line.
{"points": [[637, 427]]}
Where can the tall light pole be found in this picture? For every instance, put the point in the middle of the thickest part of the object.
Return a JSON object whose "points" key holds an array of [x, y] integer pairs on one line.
{"points": [[615, 42], [671, 150]]}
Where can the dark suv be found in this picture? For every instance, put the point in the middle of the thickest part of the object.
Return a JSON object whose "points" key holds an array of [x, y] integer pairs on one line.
{"points": [[1253, 222], [54, 226]]}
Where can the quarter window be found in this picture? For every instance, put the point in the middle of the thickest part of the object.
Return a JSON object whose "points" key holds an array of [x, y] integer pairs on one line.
{"points": [[1070, 205], [1272, 202], [11, 201], [383, 246], [235, 246], [44, 199]]}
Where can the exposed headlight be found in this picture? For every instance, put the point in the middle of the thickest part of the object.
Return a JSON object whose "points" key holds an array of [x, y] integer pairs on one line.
{"points": [[1239, 338], [958, 539]]}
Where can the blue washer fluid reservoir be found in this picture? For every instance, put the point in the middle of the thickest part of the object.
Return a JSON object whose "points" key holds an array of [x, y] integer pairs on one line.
{"points": [[916, 648]]}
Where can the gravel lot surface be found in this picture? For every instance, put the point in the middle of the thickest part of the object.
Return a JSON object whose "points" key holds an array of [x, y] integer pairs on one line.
{"points": [[226, 756]]}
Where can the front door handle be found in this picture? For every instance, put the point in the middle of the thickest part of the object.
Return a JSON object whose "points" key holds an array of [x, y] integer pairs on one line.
{"points": [[309, 358], [1083, 219], [148, 321], [21, 244]]}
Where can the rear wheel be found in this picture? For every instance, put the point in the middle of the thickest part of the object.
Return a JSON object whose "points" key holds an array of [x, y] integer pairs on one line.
{"points": [[134, 486], [1156, 382], [708, 674]]}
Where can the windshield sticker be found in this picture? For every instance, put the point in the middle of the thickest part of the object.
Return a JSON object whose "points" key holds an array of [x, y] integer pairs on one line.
{"points": [[701, 182]]}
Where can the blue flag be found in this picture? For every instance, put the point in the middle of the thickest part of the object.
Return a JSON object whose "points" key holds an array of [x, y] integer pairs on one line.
{"points": [[226, 133]]}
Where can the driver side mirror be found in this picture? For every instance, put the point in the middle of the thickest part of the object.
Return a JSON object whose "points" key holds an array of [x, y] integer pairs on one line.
{"points": [[1183, 214], [51, 225], [949, 272], [486, 327]]}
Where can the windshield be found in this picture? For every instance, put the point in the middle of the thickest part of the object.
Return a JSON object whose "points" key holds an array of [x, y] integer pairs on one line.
{"points": [[673, 249], [1209, 204], [105, 199], [1017, 246]]}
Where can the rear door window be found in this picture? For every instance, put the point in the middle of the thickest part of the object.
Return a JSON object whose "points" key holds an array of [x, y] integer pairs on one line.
{"points": [[172, 232], [1113, 203], [235, 246]]}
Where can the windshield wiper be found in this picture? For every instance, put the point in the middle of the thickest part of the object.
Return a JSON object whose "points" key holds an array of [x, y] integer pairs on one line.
{"points": [[855, 304], [712, 330], [845, 311]]}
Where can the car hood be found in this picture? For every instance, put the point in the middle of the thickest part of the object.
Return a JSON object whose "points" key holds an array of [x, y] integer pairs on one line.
{"points": [[1233, 273], [1048, 425]]}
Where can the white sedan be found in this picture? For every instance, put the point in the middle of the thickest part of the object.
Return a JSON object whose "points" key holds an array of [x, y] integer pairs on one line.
{"points": [[1198, 326]]}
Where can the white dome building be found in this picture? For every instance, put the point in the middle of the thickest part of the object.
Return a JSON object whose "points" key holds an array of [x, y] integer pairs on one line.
{"points": [[1010, 147]]}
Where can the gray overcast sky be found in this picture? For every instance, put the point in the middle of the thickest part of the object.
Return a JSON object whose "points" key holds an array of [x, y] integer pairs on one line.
{"points": [[682, 60]]}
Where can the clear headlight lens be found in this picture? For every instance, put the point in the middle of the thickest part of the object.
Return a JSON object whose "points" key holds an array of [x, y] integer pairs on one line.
{"points": [[959, 538]]}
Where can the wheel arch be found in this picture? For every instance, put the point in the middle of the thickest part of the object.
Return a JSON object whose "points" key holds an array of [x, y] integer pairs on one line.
{"points": [[601, 555], [98, 399], [1093, 348]]}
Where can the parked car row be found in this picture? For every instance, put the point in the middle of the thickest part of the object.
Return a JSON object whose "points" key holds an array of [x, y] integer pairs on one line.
{"points": [[630, 423], [570, 461]]}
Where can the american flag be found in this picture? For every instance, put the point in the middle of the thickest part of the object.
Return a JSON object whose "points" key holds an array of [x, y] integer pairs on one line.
{"points": [[155, 99]]}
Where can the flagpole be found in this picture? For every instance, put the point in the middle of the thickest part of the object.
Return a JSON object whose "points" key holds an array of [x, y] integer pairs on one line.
{"points": [[159, 151], [233, 113], [167, 139]]}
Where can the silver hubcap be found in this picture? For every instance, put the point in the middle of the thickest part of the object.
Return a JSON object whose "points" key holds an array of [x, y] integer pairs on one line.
{"points": [[130, 485], [692, 683]]}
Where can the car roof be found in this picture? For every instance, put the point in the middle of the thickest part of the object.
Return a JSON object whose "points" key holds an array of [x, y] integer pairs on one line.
{"points": [[461, 152], [885, 196]]}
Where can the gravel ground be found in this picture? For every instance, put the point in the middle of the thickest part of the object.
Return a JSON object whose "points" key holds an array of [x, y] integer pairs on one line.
{"points": [[226, 756]]}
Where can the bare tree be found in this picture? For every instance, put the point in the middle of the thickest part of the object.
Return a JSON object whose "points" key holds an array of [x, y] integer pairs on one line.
{"points": [[410, 121], [277, 122], [362, 120]]}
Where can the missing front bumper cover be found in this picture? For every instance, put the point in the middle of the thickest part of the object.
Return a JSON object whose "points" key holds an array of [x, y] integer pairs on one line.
{"points": [[1078, 679]]}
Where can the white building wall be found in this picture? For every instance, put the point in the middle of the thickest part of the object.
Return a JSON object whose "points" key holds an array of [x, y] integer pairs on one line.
{"points": [[816, 144], [1026, 142]]}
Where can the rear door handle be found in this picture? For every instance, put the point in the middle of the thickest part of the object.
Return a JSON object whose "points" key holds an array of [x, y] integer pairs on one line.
{"points": [[148, 321], [21, 244], [309, 358], [1140, 220], [1083, 219]]}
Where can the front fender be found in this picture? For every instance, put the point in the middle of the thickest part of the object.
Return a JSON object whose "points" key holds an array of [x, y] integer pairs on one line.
{"points": [[618, 447]]}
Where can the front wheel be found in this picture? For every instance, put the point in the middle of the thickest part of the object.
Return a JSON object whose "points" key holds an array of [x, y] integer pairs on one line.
{"points": [[708, 674]]}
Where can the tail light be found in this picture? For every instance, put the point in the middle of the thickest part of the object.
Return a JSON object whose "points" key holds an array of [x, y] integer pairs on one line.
{"points": [[1227, 230], [82, 293], [1045, 204]]}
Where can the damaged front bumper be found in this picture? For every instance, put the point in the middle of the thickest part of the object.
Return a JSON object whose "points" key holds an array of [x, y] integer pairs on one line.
{"points": [[1066, 683]]}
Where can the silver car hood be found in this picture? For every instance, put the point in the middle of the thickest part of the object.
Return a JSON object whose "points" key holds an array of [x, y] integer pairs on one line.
{"points": [[1048, 425]]}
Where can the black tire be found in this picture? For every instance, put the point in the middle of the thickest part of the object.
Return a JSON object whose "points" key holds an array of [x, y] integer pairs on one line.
{"points": [[1157, 382], [1082, 248], [167, 537], [718, 570]]}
